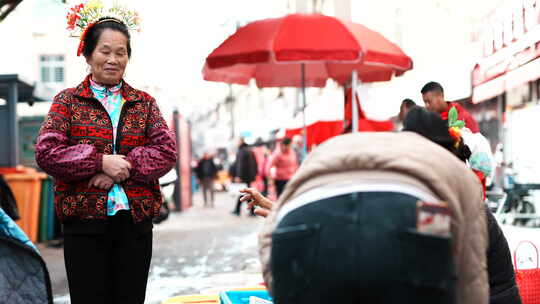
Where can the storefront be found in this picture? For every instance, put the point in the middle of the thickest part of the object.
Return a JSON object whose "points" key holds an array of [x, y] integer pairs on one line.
{"points": [[506, 84]]}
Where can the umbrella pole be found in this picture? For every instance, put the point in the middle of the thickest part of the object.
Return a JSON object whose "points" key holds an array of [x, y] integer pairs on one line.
{"points": [[354, 78], [303, 77]]}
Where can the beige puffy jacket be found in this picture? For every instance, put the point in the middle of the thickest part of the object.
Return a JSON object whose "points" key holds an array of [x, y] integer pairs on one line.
{"points": [[406, 158]]}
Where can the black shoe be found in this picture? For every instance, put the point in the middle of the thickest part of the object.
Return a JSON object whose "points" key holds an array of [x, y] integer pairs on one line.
{"points": [[236, 213]]}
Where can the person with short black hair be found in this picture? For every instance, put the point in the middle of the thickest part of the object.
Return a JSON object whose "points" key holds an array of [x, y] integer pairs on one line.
{"points": [[106, 144], [407, 104], [432, 126], [397, 120], [286, 141], [433, 96], [206, 172]]}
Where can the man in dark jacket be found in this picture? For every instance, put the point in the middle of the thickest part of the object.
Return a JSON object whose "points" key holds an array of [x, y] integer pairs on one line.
{"points": [[245, 170], [206, 173]]}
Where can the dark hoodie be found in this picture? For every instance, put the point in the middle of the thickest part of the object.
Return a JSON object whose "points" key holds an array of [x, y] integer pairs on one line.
{"points": [[246, 164]]}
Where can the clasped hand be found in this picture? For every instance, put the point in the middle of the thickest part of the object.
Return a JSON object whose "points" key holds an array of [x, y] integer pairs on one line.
{"points": [[115, 170]]}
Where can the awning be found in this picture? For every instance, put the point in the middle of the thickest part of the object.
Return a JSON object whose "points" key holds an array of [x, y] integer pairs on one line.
{"points": [[25, 91], [512, 79], [488, 90]]}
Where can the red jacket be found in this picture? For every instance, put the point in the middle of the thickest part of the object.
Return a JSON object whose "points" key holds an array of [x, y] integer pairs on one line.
{"points": [[77, 132], [470, 122], [286, 164]]}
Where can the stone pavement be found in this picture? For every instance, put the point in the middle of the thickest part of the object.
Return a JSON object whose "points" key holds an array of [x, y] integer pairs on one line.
{"points": [[199, 250]]}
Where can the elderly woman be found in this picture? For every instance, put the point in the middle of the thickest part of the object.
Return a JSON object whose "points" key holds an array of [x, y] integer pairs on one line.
{"points": [[106, 144]]}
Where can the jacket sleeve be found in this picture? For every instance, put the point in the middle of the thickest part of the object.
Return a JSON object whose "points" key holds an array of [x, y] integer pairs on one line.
{"points": [[154, 159], [502, 283], [54, 154]]}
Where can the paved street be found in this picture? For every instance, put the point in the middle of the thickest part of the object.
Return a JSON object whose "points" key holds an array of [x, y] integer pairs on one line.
{"points": [[195, 251], [202, 250]]}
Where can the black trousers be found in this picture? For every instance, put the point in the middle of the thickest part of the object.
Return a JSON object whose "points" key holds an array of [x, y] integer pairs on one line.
{"points": [[111, 267], [280, 186], [265, 189], [360, 248]]}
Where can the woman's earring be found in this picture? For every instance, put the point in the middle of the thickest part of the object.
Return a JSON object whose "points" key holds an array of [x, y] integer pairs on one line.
{"points": [[88, 69]]}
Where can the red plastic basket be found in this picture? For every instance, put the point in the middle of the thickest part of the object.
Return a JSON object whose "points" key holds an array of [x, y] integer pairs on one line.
{"points": [[528, 280]]}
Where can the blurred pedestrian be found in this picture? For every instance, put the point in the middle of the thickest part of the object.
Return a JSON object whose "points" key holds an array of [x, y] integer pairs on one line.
{"points": [[403, 108], [285, 163], [298, 147], [406, 104], [106, 144], [245, 170], [260, 151], [433, 95], [206, 173], [263, 173]]}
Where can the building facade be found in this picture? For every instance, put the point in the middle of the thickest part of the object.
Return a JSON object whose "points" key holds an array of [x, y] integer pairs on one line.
{"points": [[506, 83]]}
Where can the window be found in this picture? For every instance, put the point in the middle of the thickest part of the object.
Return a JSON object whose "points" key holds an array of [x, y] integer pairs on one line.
{"points": [[52, 68]]}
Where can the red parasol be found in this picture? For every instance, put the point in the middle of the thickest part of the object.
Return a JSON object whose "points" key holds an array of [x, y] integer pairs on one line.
{"points": [[302, 50]]}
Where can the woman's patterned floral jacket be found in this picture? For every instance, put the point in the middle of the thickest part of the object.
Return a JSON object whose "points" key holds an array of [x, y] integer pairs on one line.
{"points": [[76, 134]]}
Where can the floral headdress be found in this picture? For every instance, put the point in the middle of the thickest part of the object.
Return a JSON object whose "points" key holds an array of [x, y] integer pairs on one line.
{"points": [[82, 17], [455, 125]]}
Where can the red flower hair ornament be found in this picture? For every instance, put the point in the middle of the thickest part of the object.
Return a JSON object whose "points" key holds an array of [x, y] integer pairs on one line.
{"points": [[82, 17]]}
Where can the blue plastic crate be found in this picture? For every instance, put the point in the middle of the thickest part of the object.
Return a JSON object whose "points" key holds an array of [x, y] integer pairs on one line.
{"points": [[242, 297]]}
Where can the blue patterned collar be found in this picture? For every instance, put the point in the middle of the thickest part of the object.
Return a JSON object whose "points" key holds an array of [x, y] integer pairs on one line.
{"points": [[102, 89]]}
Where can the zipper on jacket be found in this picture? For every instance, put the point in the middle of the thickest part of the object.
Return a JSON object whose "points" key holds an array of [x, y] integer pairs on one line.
{"points": [[114, 142], [116, 147], [120, 126]]}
